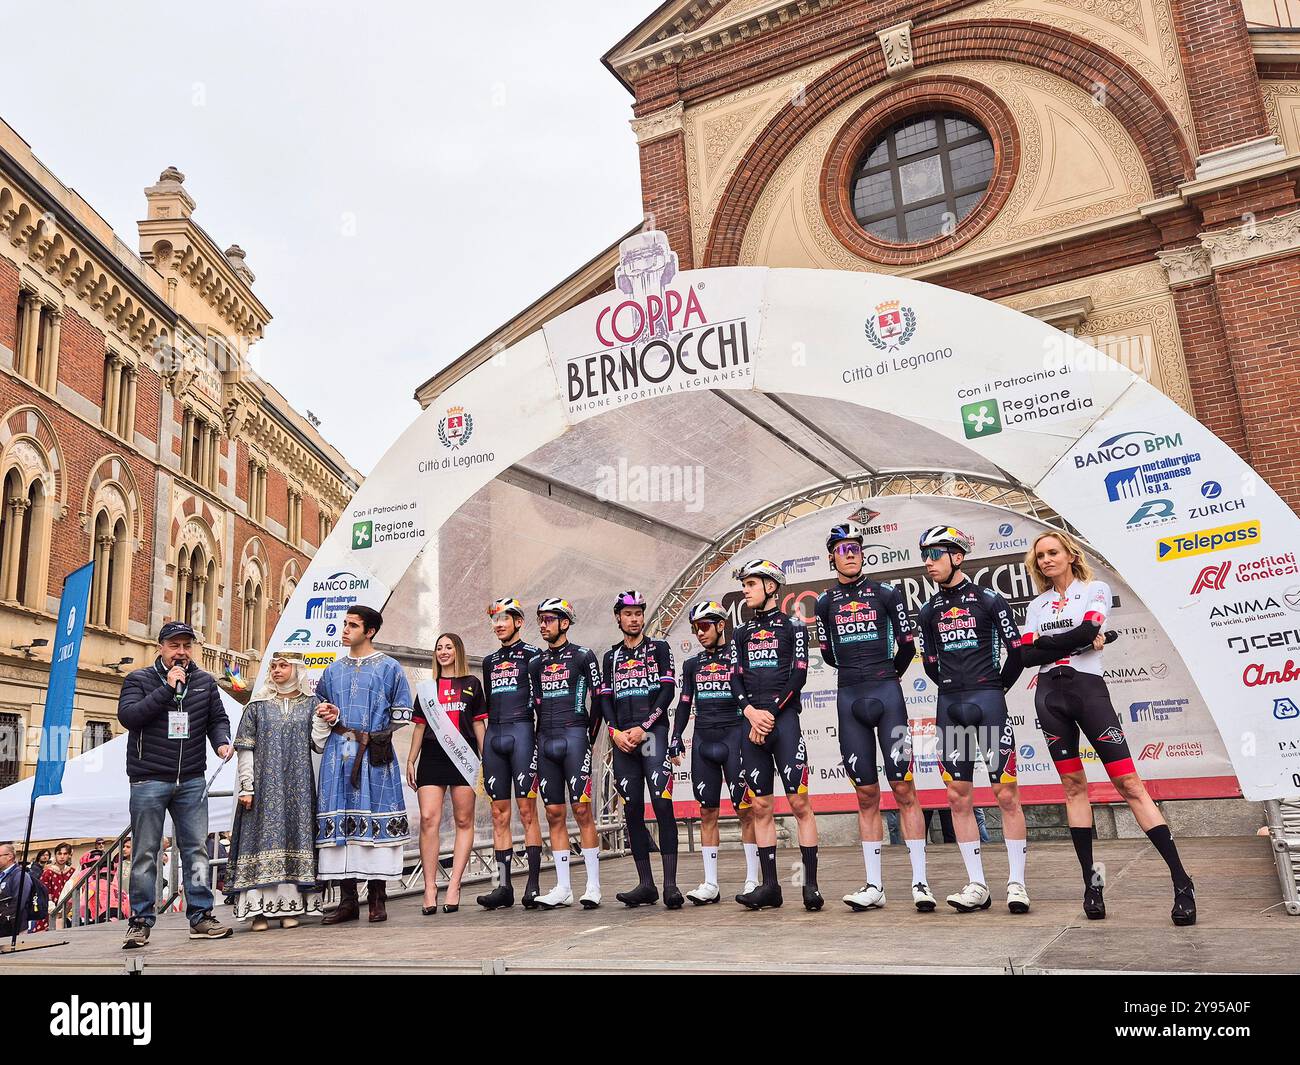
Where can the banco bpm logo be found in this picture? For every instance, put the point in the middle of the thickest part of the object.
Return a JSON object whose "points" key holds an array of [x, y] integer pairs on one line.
{"points": [[981, 418], [363, 535]]}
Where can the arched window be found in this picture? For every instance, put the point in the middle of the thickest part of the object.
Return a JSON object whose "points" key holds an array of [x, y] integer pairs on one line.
{"points": [[112, 547], [254, 616], [24, 539], [195, 596]]}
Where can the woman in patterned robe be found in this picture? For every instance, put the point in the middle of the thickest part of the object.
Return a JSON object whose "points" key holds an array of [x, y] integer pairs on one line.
{"points": [[271, 869]]}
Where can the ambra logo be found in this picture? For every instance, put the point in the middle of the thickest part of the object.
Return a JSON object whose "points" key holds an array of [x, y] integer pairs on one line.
{"points": [[981, 418], [1255, 675], [363, 534], [1222, 538], [1285, 709]]}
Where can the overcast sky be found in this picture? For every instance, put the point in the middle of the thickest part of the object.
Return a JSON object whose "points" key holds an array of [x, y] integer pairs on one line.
{"points": [[404, 177]]}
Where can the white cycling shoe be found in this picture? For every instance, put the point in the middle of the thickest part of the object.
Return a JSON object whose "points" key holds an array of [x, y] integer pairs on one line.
{"points": [[704, 894], [555, 898], [971, 898], [921, 896], [869, 897], [590, 899], [1017, 898], [750, 885]]}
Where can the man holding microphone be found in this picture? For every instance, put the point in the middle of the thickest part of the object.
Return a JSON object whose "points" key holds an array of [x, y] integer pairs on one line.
{"points": [[170, 709]]}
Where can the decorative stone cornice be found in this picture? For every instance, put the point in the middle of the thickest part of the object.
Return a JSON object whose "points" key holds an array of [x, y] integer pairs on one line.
{"points": [[1185, 264], [659, 124], [1067, 315], [69, 267], [669, 49], [1253, 240], [1239, 157], [896, 43]]}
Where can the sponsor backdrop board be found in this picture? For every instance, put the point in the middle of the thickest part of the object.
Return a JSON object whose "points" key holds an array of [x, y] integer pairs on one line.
{"points": [[1207, 546], [1170, 731]]}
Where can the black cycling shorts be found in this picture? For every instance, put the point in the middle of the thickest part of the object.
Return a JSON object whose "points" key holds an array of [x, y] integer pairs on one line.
{"points": [[564, 757], [647, 766], [1069, 701], [782, 752], [509, 753], [969, 724], [871, 709], [715, 754]]}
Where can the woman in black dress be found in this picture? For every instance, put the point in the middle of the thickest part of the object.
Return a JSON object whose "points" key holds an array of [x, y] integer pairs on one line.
{"points": [[444, 755]]}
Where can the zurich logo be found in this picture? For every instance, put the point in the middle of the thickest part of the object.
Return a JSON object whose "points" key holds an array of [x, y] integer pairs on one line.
{"points": [[918, 684], [331, 629], [1211, 489], [1026, 751], [1006, 529]]}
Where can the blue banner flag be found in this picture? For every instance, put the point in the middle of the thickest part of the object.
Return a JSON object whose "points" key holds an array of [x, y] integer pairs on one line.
{"points": [[56, 730]]}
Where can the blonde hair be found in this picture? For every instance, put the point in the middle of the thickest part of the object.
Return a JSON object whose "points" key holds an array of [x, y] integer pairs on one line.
{"points": [[1078, 561], [460, 667]]}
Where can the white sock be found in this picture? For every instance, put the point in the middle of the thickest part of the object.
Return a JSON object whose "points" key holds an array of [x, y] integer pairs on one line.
{"points": [[871, 855], [1016, 851], [751, 862], [710, 865], [970, 854], [562, 871], [591, 858], [916, 851]]}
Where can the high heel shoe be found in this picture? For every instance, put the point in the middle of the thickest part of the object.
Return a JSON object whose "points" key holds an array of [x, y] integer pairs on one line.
{"points": [[450, 908]]}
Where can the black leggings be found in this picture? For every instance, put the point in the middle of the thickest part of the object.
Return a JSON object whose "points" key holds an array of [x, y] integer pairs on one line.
{"points": [[1069, 701], [564, 757], [648, 766]]}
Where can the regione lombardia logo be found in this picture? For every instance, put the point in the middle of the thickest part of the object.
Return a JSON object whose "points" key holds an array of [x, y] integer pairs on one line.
{"points": [[363, 535], [455, 428], [892, 326]]}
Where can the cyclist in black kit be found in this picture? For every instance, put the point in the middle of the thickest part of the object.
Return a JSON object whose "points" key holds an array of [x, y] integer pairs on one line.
{"points": [[1063, 637], [961, 629], [639, 688], [565, 677], [769, 655], [715, 746], [509, 750], [866, 636]]}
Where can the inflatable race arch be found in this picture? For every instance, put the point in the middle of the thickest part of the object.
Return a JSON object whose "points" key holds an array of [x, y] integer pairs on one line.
{"points": [[625, 443]]}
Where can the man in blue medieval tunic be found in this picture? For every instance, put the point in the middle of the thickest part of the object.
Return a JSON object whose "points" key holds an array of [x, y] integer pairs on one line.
{"points": [[361, 822]]}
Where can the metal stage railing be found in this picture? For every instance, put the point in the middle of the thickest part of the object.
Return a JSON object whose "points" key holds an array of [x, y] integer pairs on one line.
{"points": [[1284, 833]]}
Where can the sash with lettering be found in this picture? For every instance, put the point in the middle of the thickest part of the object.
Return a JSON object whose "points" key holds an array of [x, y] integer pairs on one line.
{"points": [[458, 749]]}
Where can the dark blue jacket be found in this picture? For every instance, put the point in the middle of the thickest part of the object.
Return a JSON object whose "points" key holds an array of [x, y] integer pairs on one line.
{"points": [[143, 707]]}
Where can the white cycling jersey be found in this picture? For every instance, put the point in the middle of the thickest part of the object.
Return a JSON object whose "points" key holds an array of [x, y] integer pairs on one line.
{"points": [[1052, 613]]}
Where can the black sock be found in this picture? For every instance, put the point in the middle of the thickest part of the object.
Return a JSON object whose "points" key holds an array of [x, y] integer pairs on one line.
{"points": [[1082, 838], [809, 864], [767, 862], [669, 859], [1163, 841], [534, 867], [644, 873], [503, 867]]}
